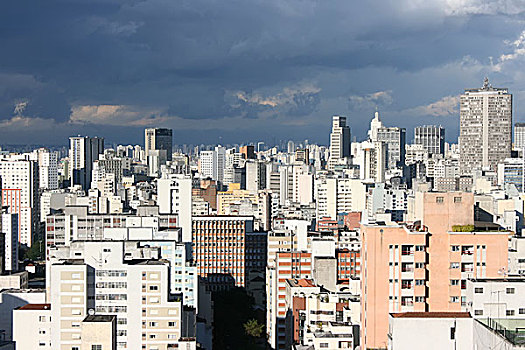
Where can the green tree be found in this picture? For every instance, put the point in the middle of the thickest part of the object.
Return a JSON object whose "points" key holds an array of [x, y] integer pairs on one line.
{"points": [[253, 328], [34, 252]]}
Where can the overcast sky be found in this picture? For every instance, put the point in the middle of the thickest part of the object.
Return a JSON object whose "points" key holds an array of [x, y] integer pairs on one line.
{"points": [[245, 70]]}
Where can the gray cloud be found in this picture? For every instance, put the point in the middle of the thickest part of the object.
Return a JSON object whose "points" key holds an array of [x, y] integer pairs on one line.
{"points": [[270, 69]]}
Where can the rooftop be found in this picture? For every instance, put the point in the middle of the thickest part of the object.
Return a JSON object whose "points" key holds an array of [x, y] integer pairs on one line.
{"points": [[431, 315], [35, 307], [303, 282], [99, 318]]}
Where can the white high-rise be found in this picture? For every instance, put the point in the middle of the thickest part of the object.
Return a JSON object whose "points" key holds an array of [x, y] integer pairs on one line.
{"points": [[20, 193], [174, 197], [212, 163], [47, 168], [83, 151], [339, 141], [485, 127]]}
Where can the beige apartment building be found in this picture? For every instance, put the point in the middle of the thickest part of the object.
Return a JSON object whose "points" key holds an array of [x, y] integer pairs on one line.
{"points": [[424, 266]]}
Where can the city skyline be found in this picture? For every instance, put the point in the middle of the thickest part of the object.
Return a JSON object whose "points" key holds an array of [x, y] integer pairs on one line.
{"points": [[125, 65]]}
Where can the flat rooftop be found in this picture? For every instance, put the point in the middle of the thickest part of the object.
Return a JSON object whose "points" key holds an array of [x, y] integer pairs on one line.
{"points": [[99, 318], [35, 307]]}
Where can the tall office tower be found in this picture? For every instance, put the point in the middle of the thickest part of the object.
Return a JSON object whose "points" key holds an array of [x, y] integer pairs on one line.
{"points": [[47, 168], [20, 194], [226, 249], [425, 267], [158, 139], [395, 140], [174, 197], [212, 163], [485, 127], [83, 151], [519, 135], [336, 196], [431, 137], [339, 141]]}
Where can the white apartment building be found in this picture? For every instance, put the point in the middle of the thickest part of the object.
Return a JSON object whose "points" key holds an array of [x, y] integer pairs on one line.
{"points": [[135, 290], [32, 327], [496, 297], [212, 163], [20, 185], [339, 195], [174, 197], [47, 168]]}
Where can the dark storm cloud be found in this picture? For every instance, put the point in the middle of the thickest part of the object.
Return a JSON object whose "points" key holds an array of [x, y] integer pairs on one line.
{"points": [[251, 67]]}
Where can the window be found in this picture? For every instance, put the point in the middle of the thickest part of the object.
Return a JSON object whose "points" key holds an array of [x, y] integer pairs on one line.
{"points": [[510, 290], [457, 199], [420, 248], [420, 265], [171, 324], [478, 312], [420, 282], [454, 265], [153, 324], [454, 299], [420, 299], [323, 345], [510, 312], [454, 248], [439, 199], [454, 282], [478, 290], [452, 333], [522, 311], [153, 287], [96, 347], [41, 318]]}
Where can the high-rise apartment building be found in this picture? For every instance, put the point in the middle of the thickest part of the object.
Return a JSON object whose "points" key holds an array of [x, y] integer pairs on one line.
{"points": [[174, 197], [431, 137], [339, 141], [47, 168], [83, 151], [124, 279], [212, 163], [157, 139], [20, 188], [485, 127], [519, 136], [226, 249], [395, 141], [425, 267]]}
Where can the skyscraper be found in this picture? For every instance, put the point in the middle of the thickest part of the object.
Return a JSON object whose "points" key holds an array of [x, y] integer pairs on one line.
{"points": [[432, 137], [485, 127], [339, 141], [395, 141], [519, 135], [158, 139], [83, 151]]}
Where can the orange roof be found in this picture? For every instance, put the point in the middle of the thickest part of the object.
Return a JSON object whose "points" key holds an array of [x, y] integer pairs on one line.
{"points": [[431, 315]]}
